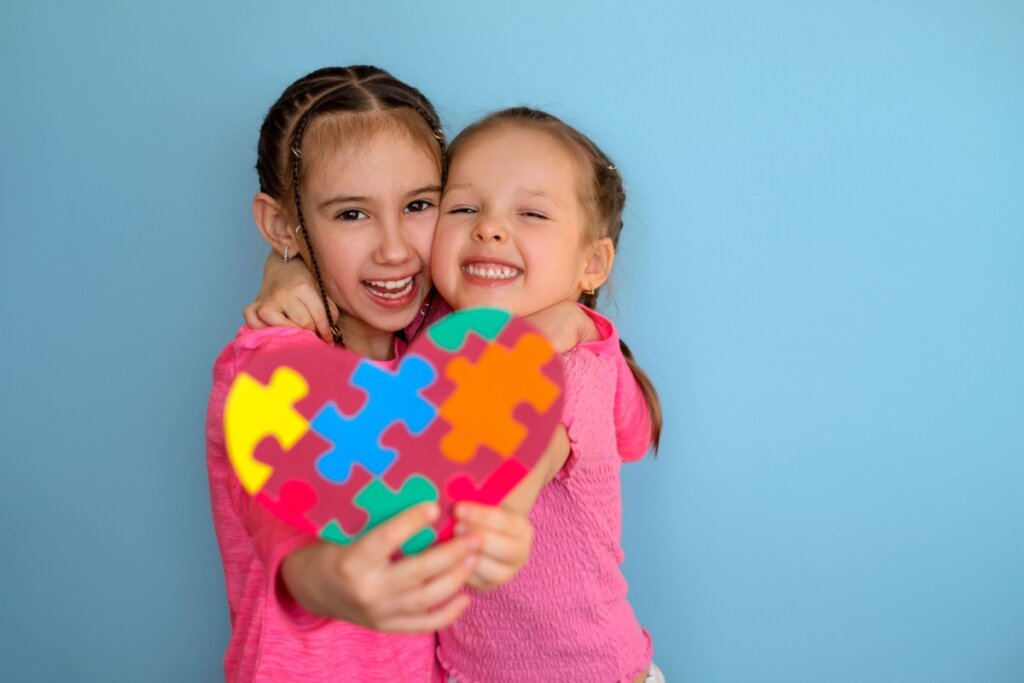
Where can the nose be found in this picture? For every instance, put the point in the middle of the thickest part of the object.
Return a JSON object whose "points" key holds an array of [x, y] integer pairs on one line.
{"points": [[489, 229], [394, 245]]}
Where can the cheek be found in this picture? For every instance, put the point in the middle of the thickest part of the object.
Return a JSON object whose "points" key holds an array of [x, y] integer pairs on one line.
{"points": [[444, 247]]}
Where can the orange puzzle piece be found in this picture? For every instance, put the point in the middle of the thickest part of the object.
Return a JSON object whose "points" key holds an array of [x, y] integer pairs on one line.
{"points": [[480, 409]]}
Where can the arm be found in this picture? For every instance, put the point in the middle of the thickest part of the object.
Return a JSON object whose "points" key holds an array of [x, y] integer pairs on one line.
{"points": [[565, 324], [289, 297]]}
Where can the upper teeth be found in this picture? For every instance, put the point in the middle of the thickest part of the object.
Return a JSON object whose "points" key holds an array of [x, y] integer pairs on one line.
{"points": [[491, 271], [391, 284]]}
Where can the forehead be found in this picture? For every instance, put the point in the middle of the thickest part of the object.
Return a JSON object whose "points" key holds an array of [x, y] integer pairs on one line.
{"points": [[518, 148], [351, 137], [369, 161]]}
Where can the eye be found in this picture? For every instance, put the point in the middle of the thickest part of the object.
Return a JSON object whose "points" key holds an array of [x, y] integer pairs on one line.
{"points": [[418, 206], [534, 214], [348, 215], [462, 209]]}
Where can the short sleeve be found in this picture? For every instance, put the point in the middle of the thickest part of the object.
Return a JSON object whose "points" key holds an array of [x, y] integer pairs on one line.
{"points": [[632, 418]]}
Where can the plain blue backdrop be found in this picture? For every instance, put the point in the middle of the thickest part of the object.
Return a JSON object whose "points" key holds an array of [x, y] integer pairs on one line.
{"points": [[821, 269]]}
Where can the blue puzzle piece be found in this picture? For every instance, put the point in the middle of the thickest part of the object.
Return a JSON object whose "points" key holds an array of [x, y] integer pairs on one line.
{"points": [[393, 397]]}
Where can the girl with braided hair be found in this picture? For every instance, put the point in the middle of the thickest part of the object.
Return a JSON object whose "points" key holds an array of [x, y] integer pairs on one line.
{"points": [[529, 220], [350, 163]]}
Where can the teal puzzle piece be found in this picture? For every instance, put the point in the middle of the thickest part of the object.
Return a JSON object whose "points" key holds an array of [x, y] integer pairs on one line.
{"points": [[382, 503], [450, 333]]}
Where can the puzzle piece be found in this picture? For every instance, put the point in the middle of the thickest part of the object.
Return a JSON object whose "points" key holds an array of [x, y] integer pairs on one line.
{"points": [[451, 332], [392, 397], [480, 409], [333, 532], [493, 491], [462, 487], [382, 503], [254, 411], [299, 463], [295, 500]]}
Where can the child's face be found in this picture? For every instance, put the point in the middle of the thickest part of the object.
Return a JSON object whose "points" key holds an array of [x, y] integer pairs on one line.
{"points": [[511, 233], [371, 212]]}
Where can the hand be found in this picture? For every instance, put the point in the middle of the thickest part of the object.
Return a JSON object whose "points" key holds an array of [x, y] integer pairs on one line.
{"points": [[506, 538], [565, 325], [289, 297], [361, 584]]}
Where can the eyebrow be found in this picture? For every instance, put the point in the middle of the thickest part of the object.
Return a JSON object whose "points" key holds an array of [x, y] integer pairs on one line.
{"points": [[362, 199]]}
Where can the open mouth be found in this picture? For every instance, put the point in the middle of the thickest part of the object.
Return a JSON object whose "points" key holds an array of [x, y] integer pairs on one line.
{"points": [[391, 290]]}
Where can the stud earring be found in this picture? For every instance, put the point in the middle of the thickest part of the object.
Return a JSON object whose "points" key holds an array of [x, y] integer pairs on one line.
{"points": [[286, 256]]}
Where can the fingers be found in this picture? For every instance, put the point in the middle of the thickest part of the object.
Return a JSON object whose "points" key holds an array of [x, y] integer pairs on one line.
{"points": [[490, 574], [314, 305], [273, 316], [251, 317], [419, 568], [298, 313], [495, 522], [505, 538], [381, 542], [436, 591]]}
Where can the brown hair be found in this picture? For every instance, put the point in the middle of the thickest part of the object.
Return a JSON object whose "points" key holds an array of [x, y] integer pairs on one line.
{"points": [[601, 193], [316, 104]]}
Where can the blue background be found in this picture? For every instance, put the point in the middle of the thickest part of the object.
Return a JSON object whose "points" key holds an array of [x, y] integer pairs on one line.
{"points": [[822, 270]]}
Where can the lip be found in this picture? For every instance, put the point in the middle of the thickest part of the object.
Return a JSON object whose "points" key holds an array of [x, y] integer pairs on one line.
{"points": [[393, 303]]}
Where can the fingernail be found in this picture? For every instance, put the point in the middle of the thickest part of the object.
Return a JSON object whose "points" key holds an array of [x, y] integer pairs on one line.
{"points": [[433, 511], [460, 528]]}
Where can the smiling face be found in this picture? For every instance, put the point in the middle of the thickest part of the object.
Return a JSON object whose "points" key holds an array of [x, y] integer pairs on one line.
{"points": [[512, 232], [370, 209]]}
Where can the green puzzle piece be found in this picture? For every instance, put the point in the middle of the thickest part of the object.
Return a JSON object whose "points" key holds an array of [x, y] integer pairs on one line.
{"points": [[450, 333], [333, 532], [383, 503]]}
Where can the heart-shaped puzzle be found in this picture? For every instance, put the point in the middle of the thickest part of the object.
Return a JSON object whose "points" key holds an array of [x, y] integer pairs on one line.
{"points": [[335, 444]]}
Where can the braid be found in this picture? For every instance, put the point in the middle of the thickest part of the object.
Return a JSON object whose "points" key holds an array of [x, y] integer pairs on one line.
{"points": [[297, 197]]}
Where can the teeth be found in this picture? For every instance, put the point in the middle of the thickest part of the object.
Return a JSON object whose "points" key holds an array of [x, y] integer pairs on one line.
{"points": [[390, 289], [491, 271], [391, 284]]}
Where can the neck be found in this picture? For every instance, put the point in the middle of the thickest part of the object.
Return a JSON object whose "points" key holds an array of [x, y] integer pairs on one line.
{"points": [[366, 341]]}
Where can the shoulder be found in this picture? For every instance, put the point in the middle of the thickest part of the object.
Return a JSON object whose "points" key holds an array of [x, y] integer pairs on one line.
{"points": [[249, 341]]}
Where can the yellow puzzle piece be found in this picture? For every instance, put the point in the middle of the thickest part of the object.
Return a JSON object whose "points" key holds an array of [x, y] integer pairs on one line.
{"points": [[254, 411]]}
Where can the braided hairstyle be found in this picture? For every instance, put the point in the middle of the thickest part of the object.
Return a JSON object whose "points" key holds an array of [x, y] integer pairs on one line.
{"points": [[601, 194], [324, 94]]}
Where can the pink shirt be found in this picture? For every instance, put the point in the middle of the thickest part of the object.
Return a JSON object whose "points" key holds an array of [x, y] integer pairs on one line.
{"points": [[273, 638], [565, 617]]}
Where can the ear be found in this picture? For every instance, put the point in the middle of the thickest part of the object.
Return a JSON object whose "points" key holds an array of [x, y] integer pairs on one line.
{"points": [[273, 223], [599, 264]]}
